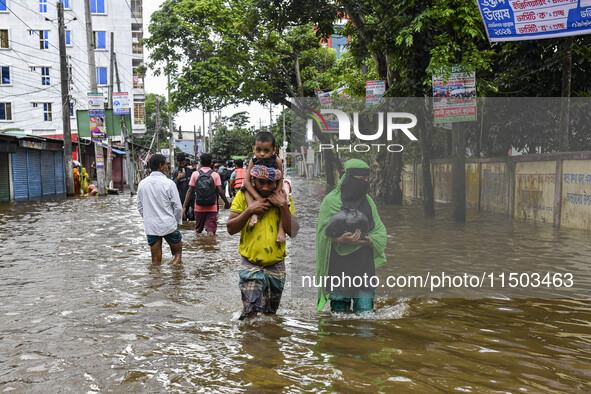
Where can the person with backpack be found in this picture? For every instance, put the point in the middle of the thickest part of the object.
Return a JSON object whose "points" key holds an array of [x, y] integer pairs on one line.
{"points": [[207, 185]]}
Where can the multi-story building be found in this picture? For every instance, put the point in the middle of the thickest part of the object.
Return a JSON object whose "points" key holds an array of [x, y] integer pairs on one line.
{"points": [[30, 92]]}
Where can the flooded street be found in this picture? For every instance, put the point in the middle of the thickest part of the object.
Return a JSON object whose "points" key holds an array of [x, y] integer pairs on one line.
{"points": [[83, 309]]}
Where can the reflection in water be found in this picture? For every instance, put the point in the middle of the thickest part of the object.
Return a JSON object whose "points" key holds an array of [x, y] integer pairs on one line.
{"points": [[83, 309]]}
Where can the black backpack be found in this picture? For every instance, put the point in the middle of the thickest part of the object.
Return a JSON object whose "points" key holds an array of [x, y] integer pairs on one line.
{"points": [[205, 193]]}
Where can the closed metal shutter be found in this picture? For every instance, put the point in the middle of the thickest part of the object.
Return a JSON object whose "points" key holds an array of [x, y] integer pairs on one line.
{"points": [[34, 173], [60, 175], [20, 178], [4, 178], [47, 173]]}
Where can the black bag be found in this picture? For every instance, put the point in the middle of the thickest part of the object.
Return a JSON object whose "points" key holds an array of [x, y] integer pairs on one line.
{"points": [[205, 192], [347, 220]]}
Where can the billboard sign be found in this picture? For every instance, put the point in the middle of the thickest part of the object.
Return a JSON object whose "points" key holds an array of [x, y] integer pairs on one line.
{"points": [[516, 20]]}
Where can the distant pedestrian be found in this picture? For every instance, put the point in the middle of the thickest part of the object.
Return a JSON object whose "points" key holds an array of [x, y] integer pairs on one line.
{"points": [[207, 185], [262, 269], [159, 204], [237, 177], [181, 177]]}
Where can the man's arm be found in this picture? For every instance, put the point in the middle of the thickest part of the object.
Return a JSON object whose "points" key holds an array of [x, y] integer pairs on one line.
{"points": [[223, 196], [187, 200], [247, 183], [175, 202], [290, 223], [237, 221], [140, 207]]}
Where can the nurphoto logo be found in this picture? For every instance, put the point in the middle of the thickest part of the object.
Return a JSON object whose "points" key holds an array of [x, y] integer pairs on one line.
{"points": [[393, 121]]}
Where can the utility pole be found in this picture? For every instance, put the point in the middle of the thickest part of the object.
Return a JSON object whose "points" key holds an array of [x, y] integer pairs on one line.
{"points": [[458, 173], [158, 125], [170, 129], [65, 103], [109, 141], [203, 116], [209, 133], [195, 141], [565, 93], [98, 149], [126, 139]]}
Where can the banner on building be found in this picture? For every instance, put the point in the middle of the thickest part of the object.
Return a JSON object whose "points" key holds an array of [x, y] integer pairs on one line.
{"points": [[514, 20], [374, 91], [96, 114], [454, 99], [121, 103]]}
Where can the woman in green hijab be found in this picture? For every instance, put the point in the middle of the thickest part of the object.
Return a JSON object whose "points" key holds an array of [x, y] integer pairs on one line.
{"points": [[352, 254]]}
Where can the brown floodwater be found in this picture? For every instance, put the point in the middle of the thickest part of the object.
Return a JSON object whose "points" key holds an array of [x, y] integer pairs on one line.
{"points": [[83, 310]]}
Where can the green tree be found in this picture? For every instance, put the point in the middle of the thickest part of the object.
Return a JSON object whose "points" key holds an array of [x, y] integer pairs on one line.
{"points": [[231, 137], [146, 138]]}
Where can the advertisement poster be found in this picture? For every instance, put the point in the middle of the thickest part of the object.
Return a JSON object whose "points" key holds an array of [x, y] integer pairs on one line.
{"points": [[454, 100], [96, 114], [516, 20], [374, 91], [100, 161], [121, 103]]}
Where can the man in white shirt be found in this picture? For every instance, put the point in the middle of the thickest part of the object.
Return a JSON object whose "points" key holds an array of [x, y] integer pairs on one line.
{"points": [[159, 204]]}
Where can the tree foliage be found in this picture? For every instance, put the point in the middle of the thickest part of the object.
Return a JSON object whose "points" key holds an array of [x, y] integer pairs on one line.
{"points": [[232, 137]]}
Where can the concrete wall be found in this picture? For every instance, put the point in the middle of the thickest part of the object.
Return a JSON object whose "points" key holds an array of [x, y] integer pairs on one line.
{"points": [[441, 173], [552, 188], [408, 179], [576, 194], [472, 185], [495, 181], [535, 183]]}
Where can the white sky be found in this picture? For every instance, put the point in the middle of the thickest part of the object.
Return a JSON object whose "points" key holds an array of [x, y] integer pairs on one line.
{"points": [[187, 120]]}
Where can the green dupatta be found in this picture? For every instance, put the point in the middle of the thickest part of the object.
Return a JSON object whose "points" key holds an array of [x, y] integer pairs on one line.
{"points": [[330, 205]]}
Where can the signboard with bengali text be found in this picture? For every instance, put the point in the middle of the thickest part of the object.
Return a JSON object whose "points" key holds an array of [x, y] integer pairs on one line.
{"points": [[121, 103], [454, 100], [515, 20]]}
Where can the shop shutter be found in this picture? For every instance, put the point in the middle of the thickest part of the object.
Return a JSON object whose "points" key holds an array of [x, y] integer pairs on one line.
{"points": [[19, 174], [4, 178], [34, 173], [60, 175], [47, 173]]}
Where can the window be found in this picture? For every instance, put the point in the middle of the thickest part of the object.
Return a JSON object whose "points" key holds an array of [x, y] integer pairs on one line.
{"points": [[68, 37], [43, 39], [4, 75], [136, 8], [45, 80], [138, 79], [3, 37], [136, 45], [66, 4], [101, 75], [5, 111], [3, 5], [43, 6], [139, 113], [47, 112], [97, 6], [100, 40]]}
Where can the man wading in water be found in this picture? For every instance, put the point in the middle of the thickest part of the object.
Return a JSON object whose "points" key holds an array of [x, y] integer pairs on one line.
{"points": [[262, 269]]}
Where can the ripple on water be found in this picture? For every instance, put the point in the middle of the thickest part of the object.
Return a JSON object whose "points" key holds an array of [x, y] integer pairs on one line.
{"points": [[84, 310]]}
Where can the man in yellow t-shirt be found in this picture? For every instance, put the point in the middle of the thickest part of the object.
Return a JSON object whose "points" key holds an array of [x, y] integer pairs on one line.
{"points": [[262, 269]]}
